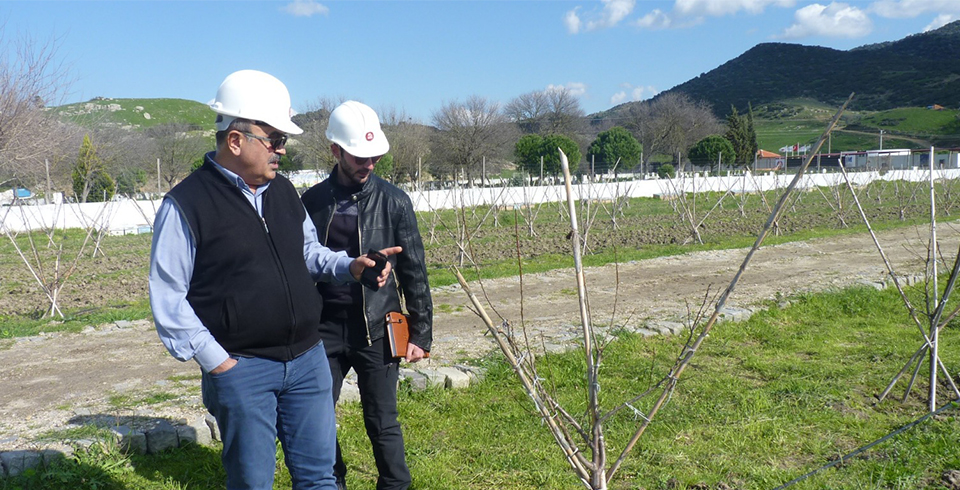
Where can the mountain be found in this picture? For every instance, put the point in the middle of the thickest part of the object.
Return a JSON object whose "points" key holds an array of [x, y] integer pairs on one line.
{"points": [[917, 71]]}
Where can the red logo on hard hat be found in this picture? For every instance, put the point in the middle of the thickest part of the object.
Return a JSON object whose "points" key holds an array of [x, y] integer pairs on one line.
{"points": [[370, 136]]}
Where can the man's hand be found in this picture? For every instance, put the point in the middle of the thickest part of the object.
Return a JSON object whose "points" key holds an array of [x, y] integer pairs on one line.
{"points": [[224, 366], [362, 262], [414, 353]]}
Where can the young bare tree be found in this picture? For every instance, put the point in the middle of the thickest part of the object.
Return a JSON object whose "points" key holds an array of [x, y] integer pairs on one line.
{"points": [[581, 435]]}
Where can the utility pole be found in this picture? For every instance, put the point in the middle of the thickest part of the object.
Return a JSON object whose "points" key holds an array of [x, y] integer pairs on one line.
{"points": [[881, 139], [49, 196], [159, 189]]}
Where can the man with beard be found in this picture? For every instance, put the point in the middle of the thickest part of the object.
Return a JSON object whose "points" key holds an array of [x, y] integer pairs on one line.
{"points": [[355, 210]]}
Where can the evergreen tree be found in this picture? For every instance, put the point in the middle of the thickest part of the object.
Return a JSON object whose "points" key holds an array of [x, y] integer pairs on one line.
{"points": [[91, 183], [527, 152], [711, 151], [531, 147], [742, 136], [614, 144]]}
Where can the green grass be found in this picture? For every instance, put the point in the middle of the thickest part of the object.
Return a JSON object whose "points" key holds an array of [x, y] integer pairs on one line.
{"points": [[161, 111], [803, 121], [915, 120], [74, 320], [764, 401]]}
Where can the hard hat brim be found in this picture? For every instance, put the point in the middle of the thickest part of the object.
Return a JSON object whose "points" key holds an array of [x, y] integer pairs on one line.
{"points": [[379, 146]]}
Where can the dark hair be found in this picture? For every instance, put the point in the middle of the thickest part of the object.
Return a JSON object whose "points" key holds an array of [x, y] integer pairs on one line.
{"points": [[238, 124]]}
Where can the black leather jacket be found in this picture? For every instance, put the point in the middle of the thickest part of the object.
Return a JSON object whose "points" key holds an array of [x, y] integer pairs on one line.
{"points": [[387, 219]]}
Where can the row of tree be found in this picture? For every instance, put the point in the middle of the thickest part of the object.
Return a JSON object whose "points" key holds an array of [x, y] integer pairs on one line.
{"points": [[467, 140]]}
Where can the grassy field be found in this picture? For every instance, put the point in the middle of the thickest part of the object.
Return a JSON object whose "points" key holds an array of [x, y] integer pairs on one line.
{"points": [[140, 113], [765, 401], [802, 121], [112, 285]]}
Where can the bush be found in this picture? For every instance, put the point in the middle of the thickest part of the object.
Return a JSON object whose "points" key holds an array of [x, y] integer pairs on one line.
{"points": [[666, 171]]}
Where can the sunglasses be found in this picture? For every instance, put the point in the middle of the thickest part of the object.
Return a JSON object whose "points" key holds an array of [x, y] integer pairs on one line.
{"points": [[363, 161], [276, 142]]}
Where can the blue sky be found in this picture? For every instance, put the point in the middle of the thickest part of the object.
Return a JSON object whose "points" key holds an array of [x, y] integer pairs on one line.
{"points": [[418, 55]]}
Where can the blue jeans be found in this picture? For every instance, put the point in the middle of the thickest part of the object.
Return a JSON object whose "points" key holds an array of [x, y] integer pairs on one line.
{"points": [[260, 400]]}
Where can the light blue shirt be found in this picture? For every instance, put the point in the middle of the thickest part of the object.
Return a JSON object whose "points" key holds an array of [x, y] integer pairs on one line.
{"points": [[172, 259]]}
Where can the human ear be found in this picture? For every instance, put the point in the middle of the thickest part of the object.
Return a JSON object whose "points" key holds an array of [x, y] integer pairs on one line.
{"points": [[234, 142]]}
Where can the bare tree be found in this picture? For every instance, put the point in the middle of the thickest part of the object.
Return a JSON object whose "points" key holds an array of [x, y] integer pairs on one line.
{"points": [[177, 148], [528, 111], [564, 116], [30, 77], [469, 132], [671, 124], [581, 435], [409, 144], [553, 111], [312, 147], [130, 158]]}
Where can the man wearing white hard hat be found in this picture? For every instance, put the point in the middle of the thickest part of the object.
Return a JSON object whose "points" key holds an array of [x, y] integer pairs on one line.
{"points": [[232, 272], [355, 210]]}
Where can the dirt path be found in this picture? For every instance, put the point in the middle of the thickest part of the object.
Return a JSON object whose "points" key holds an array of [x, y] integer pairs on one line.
{"points": [[48, 380]]}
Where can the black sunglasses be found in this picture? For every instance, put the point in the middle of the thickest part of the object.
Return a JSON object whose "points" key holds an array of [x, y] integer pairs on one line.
{"points": [[276, 142], [362, 161]]}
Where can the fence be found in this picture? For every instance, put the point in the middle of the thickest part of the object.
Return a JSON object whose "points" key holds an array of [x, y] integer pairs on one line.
{"points": [[125, 216]]}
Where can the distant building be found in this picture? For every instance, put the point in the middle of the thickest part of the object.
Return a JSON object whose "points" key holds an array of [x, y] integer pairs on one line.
{"points": [[897, 159], [768, 161]]}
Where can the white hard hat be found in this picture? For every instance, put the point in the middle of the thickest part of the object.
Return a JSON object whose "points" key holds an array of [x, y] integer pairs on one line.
{"points": [[356, 128], [257, 96]]}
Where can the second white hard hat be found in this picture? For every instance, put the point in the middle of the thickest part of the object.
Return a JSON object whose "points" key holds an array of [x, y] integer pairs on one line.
{"points": [[257, 96], [356, 128]]}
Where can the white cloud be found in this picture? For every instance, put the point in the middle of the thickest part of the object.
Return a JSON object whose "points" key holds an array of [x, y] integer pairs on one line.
{"points": [[612, 13], [634, 93], [639, 91], [940, 21], [688, 13], [901, 9], [655, 20], [305, 8], [834, 20], [572, 21], [717, 8], [576, 89]]}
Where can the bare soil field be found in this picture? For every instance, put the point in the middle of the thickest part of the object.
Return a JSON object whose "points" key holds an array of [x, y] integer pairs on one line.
{"points": [[53, 379]]}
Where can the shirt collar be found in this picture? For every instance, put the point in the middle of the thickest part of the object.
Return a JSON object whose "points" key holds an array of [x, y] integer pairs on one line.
{"points": [[234, 178]]}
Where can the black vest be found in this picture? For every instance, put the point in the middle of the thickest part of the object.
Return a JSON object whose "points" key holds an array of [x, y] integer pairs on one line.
{"points": [[250, 285]]}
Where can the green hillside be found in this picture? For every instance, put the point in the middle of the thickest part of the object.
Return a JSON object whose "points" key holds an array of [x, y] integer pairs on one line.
{"points": [[139, 113], [802, 121]]}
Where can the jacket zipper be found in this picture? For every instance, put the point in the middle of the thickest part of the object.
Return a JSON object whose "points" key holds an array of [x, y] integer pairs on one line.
{"points": [[363, 294], [283, 279]]}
